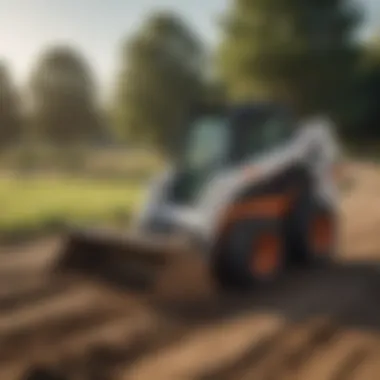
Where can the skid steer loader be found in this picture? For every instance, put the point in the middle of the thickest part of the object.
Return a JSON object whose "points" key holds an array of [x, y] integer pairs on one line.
{"points": [[253, 189]]}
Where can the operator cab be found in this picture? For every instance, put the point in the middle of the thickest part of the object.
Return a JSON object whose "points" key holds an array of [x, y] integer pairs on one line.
{"points": [[221, 138]]}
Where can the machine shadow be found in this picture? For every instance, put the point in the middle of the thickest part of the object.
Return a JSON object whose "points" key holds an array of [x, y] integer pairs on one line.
{"points": [[348, 292]]}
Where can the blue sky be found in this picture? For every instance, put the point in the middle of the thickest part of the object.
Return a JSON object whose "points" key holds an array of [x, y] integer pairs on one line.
{"points": [[97, 27]]}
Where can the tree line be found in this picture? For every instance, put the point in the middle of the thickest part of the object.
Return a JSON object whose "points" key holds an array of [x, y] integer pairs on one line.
{"points": [[302, 52]]}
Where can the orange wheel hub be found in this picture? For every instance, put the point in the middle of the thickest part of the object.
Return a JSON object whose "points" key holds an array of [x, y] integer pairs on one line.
{"points": [[266, 254], [321, 233]]}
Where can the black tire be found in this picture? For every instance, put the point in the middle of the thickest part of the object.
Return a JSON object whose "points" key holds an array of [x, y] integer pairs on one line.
{"points": [[231, 265], [303, 250]]}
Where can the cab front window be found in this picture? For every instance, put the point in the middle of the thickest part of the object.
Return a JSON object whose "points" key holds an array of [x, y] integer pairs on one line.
{"points": [[206, 151], [207, 143]]}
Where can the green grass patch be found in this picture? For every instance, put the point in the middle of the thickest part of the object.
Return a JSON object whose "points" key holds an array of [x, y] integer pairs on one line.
{"points": [[38, 203], [120, 162]]}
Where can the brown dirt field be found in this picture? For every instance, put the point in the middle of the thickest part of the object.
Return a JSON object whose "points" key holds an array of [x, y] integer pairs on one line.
{"points": [[313, 325]]}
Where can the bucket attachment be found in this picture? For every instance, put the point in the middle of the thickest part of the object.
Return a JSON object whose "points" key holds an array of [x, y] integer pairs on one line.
{"points": [[129, 260]]}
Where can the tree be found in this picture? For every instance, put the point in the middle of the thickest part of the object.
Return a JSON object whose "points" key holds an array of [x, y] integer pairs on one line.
{"points": [[366, 125], [160, 78], [64, 104], [372, 90], [299, 51], [10, 110]]}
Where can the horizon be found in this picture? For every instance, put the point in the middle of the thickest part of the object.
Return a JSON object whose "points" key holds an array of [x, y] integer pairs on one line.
{"points": [[28, 27]]}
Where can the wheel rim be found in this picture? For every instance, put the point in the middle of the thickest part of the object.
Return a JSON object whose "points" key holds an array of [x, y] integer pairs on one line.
{"points": [[321, 233], [266, 255]]}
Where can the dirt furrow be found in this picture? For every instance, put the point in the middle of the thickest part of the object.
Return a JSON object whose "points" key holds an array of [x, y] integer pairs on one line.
{"points": [[32, 316], [205, 349], [78, 348], [339, 359], [296, 344], [60, 330], [29, 257], [32, 291], [369, 368]]}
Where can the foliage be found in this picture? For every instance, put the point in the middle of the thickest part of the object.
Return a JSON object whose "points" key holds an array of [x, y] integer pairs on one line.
{"points": [[10, 111], [297, 51], [371, 92], [161, 77], [64, 105], [362, 121]]}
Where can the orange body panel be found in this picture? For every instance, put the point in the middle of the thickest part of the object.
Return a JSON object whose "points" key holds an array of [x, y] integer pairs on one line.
{"points": [[266, 254], [271, 206]]}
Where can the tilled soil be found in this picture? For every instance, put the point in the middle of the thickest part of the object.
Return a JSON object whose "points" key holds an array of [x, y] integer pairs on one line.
{"points": [[315, 324]]}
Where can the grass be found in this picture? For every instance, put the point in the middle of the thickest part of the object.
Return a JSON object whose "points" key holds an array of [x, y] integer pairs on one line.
{"points": [[90, 161], [41, 203]]}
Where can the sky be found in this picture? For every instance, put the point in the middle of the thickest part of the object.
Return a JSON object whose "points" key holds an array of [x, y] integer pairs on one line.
{"points": [[97, 27]]}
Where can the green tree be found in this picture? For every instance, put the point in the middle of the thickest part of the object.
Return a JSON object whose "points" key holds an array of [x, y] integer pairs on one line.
{"points": [[300, 51], [366, 125], [160, 78], [64, 103], [372, 81], [10, 110]]}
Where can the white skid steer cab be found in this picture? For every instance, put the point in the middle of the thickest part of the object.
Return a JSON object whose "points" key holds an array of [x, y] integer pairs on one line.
{"points": [[253, 188]]}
